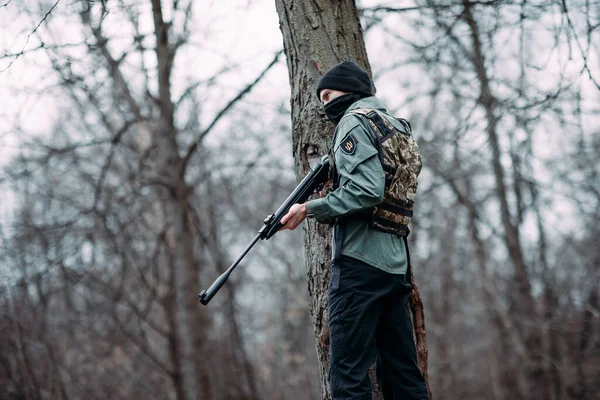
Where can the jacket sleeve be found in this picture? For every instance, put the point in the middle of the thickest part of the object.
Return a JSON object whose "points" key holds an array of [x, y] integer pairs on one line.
{"points": [[362, 181]]}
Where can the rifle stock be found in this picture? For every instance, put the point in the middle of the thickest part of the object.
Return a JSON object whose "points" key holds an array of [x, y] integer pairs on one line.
{"points": [[271, 225]]}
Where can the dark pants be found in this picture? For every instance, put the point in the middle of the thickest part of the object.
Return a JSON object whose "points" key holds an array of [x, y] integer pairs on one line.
{"points": [[369, 320]]}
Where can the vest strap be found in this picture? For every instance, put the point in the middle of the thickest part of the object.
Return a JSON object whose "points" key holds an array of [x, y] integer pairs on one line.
{"points": [[391, 227], [395, 209]]}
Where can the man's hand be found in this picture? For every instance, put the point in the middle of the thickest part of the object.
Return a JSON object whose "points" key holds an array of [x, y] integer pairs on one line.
{"points": [[294, 217]]}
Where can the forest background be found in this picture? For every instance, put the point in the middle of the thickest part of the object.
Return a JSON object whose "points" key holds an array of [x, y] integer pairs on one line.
{"points": [[102, 199]]}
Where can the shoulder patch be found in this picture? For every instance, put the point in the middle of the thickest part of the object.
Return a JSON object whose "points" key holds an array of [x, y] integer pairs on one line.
{"points": [[348, 145]]}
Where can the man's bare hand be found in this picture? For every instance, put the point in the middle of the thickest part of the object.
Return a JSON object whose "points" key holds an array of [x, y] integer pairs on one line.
{"points": [[294, 217]]}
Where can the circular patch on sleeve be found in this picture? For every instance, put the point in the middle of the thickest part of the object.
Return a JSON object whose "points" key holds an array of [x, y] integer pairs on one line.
{"points": [[348, 145]]}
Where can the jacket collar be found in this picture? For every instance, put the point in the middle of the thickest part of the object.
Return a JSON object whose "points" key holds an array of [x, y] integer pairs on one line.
{"points": [[368, 102]]}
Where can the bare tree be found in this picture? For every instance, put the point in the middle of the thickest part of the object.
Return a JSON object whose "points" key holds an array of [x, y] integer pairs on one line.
{"points": [[108, 234], [154, 169], [485, 100]]}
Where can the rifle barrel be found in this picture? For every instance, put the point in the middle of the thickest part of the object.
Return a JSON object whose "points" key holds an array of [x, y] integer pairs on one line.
{"points": [[206, 295], [272, 224]]}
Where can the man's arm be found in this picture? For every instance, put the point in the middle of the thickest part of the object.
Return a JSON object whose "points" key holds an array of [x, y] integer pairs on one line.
{"points": [[362, 181], [362, 185]]}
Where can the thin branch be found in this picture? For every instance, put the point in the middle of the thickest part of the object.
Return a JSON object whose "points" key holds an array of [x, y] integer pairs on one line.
{"points": [[30, 34], [224, 110], [114, 141], [190, 89], [113, 64], [42, 46], [68, 148], [403, 9], [142, 344], [387, 9], [586, 67]]}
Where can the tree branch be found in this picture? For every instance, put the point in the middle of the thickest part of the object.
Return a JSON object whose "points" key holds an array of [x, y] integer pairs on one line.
{"points": [[19, 54], [190, 89], [586, 67], [42, 46], [224, 110]]}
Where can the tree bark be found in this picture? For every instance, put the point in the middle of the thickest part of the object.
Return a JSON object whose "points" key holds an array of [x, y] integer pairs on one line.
{"points": [[317, 35]]}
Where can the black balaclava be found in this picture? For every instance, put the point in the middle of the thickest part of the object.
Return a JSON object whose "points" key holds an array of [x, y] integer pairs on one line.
{"points": [[337, 107], [346, 76]]}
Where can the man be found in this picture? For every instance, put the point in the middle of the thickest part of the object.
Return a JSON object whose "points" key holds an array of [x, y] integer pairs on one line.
{"points": [[369, 285]]}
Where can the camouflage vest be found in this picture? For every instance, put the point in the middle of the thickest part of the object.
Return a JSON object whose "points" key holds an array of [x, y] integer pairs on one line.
{"points": [[401, 161]]}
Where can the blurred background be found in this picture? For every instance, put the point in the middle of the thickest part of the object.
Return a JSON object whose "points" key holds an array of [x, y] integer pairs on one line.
{"points": [[109, 230]]}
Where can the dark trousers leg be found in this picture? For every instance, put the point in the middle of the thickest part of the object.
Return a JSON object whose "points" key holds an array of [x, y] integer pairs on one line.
{"points": [[397, 369], [355, 303]]}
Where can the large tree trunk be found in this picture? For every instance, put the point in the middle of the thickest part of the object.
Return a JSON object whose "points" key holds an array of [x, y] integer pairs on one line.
{"points": [[317, 35]]}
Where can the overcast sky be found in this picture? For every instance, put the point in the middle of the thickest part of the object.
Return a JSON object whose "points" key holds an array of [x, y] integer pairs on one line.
{"points": [[226, 32]]}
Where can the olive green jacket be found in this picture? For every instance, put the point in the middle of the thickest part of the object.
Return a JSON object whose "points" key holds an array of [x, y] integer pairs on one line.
{"points": [[361, 186]]}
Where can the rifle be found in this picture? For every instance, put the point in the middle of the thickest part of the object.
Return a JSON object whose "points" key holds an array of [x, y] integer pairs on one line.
{"points": [[271, 225]]}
